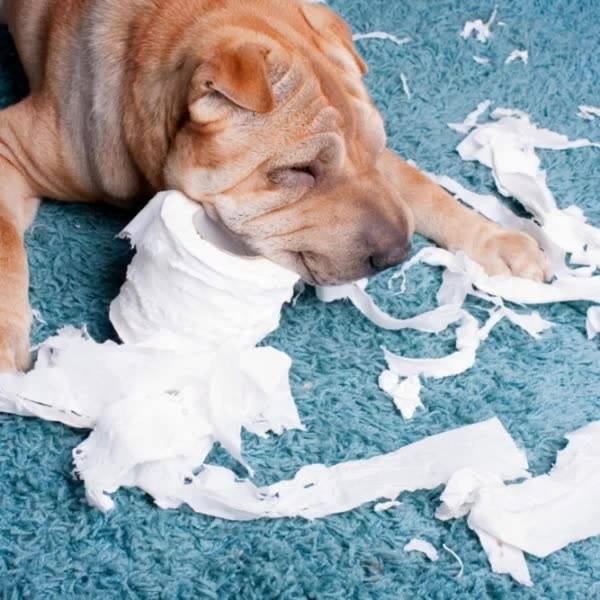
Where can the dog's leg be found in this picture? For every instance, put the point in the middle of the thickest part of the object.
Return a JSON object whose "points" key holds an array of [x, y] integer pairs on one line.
{"points": [[18, 204], [441, 218]]}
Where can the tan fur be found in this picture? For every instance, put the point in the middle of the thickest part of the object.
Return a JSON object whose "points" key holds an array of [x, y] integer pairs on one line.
{"points": [[254, 108]]}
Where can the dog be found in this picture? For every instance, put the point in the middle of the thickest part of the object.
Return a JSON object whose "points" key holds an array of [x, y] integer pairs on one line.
{"points": [[256, 109]]}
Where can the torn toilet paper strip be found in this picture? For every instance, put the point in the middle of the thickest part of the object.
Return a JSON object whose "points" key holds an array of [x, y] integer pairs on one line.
{"points": [[417, 545], [467, 342], [468, 338], [481, 29], [471, 119], [383, 506], [433, 321], [538, 516], [517, 55], [589, 113], [466, 276], [317, 491], [458, 559], [381, 35], [405, 87], [592, 323]]}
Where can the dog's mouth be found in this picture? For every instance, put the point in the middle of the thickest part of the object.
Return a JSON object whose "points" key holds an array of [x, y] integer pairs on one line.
{"points": [[296, 261]]}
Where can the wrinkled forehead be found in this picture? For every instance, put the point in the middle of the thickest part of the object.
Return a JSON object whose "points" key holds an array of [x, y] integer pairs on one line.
{"points": [[342, 86], [324, 92]]}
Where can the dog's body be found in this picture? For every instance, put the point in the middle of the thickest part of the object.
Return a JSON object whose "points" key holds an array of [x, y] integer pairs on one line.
{"points": [[254, 108]]}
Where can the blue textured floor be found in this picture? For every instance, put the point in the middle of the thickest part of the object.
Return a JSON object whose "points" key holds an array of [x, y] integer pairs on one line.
{"points": [[53, 544]]}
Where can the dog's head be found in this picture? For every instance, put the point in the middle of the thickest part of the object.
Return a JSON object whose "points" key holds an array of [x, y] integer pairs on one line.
{"points": [[282, 145]]}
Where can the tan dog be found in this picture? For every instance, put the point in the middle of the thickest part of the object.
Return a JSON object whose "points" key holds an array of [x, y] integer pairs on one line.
{"points": [[256, 109]]}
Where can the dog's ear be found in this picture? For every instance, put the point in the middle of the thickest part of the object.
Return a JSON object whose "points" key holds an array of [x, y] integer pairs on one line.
{"points": [[240, 74], [325, 22]]}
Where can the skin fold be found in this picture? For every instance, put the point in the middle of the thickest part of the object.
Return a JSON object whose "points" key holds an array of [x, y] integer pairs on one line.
{"points": [[256, 109]]}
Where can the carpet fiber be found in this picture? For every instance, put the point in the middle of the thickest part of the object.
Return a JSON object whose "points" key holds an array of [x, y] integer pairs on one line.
{"points": [[52, 544]]}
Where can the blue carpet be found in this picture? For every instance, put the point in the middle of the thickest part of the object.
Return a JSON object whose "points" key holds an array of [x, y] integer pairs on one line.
{"points": [[52, 544]]}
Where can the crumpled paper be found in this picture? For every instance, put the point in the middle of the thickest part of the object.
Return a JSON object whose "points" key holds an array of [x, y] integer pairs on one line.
{"points": [[538, 516], [405, 393], [481, 29]]}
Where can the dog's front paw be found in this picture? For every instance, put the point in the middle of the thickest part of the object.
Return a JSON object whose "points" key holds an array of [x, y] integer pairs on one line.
{"points": [[511, 253], [14, 348]]}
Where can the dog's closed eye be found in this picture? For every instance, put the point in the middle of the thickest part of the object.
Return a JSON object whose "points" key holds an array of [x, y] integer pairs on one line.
{"points": [[296, 176]]}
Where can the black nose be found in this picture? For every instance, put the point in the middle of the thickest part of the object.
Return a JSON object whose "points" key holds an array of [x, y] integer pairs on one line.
{"points": [[390, 258]]}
